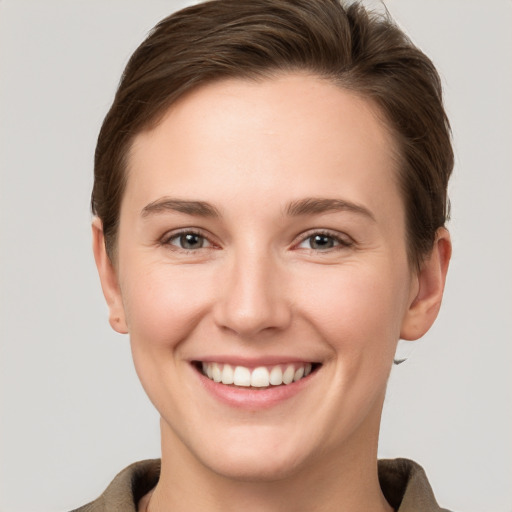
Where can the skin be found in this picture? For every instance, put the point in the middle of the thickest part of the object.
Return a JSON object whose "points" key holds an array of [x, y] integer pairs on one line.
{"points": [[257, 286]]}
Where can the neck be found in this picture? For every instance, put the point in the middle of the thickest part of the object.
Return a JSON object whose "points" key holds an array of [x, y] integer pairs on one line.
{"points": [[344, 479]]}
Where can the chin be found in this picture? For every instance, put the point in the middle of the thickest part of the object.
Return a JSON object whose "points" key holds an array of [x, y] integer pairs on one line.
{"points": [[252, 456], [256, 468]]}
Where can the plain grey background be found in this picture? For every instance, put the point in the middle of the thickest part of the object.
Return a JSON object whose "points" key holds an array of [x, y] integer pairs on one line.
{"points": [[72, 411]]}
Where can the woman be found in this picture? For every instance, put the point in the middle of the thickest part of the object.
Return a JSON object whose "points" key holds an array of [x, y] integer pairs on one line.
{"points": [[270, 201]]}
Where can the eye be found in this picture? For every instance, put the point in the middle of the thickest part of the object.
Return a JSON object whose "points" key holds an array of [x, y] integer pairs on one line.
{"points": [[188, 241], [323, 242]]}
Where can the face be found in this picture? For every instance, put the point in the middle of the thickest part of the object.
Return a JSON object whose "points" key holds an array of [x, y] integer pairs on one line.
{"points": [[262, 274]]}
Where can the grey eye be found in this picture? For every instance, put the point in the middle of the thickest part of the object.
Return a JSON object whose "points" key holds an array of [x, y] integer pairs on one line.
{"points": [[320, 242], [189, 241], [323, 242]]}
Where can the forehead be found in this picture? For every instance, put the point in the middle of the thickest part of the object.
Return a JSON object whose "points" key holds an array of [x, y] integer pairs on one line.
{"points": [[292, 132]]}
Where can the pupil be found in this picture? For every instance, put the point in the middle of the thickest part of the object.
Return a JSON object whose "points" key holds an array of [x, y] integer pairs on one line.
{"points": [[190, 241], [321, 242]]}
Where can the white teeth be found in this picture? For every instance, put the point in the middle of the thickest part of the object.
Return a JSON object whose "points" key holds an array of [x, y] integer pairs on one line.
{"points": [[216, 373], [288, 374], [242, 376], [299, 373], [260, 377], [276, 376], [227, 374]]}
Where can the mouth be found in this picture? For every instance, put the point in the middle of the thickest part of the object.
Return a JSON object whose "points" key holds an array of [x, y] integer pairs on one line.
{"points": [[259, 377]]}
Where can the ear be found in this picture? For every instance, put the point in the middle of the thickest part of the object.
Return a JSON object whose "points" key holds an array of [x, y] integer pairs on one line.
{"points": [[108, 278], [430, 280]]}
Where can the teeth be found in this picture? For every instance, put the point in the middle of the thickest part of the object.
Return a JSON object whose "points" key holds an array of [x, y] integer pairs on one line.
{"points": [[227, 374], [288, 374], [216, 373], [260, 377], [242, 376], [276, 376], [208, 370], [299, 373]]}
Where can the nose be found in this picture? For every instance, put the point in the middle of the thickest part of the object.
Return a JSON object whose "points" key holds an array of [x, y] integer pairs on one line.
{"points": [[252, 296]]}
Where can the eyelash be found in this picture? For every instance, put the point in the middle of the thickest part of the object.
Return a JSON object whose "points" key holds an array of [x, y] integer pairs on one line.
{"points": [[339, 241]]}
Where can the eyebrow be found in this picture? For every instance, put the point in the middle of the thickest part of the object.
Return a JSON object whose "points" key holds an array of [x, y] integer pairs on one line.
{"points": [[312, 205], [167, 204], [307, 206]]}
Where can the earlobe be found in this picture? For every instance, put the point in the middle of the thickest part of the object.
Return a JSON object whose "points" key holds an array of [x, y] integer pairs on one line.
{"points": [[108, 279], [431, 278]]}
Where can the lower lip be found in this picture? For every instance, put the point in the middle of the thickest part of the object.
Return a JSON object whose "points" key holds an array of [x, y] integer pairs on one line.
{"points": [[253, 398]]}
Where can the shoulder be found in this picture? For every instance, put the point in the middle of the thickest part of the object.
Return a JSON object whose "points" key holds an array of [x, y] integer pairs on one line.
{"points": [[127, 488], [406, 487]]}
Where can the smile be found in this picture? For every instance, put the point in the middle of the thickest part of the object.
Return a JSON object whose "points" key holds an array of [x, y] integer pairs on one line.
{"points": [[259, 377]]}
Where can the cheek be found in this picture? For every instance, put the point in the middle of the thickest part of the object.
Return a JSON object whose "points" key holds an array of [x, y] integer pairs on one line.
{"points": [[163, 304], [357, 310]]}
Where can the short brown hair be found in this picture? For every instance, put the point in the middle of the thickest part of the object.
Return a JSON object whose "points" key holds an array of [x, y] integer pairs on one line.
{"points": [[358, 50]]}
